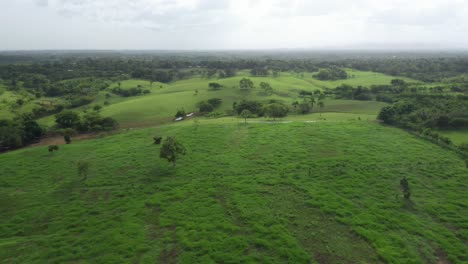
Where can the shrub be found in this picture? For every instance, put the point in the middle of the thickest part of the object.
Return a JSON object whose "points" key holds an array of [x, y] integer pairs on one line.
{"points": [[215, 102], [180, 113], [171, 150], [205, 107], [52, 148], [157, 140]]}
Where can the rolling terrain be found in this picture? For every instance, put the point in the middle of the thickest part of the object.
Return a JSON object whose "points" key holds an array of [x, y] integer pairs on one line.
{"points": [[315, 188], [298, 192]]}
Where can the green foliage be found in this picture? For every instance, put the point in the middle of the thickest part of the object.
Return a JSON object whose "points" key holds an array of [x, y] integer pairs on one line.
{"points": [[276, 110], [171, 150], [215, 102], [52, 148], [157, 140], [97, 108], [426, 112], [20, 131], [245, 114], [209, 105], [246, 84], [67, 119], [254, 107], [83, 169], [332, 73], [266, 88], [205, 107], [180, 113], [246, 196], [214, 86], [404, 185]]}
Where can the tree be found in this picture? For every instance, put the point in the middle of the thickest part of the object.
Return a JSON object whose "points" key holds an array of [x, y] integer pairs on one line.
{"points": [[67, 119], [83, 169], [52, 148], [321, 104], [180, 113], [266, 88], [214, 86], [304, 108], [67, 134], [404, 185], [205, 107], [245, 114], [276, 110], [215, 102], [97, 108], [246, 84], [295, 104], [171, 150], [157, 140]]}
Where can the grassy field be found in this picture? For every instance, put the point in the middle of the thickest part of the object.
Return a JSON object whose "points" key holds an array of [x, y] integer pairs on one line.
{"points": [[160, 105], [299, 192], [457, 136]]}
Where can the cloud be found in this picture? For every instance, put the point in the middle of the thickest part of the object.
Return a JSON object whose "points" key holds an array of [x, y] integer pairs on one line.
{"points": [[42, 3], [231, 24]]}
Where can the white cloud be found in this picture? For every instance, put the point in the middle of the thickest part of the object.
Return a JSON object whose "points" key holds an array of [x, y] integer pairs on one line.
{"points": [[214, 24]]}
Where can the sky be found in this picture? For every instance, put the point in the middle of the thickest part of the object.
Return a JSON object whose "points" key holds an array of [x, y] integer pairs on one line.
{"points": [[233, 24]]}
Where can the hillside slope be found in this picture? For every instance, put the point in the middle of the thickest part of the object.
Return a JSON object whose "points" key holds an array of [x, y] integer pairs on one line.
{"points": [[325, 192]]}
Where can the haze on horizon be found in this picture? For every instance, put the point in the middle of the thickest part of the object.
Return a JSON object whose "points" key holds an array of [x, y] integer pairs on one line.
{"points": [[233, 24]]}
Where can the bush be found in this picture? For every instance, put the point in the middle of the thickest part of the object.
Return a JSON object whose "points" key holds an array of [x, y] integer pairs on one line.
{"points": [[332, 73], [215, 102], [180, 113], [215, 114], [459, 122], [254, 107], [205, 107], [52, 148]]}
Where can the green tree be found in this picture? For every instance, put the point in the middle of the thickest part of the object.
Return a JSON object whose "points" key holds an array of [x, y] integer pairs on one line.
{"points": [[171, 150], [52, 148], [276, 110], [245, 114], [97, 108], [321, 104], [266, 88], [295, 104], [83, 169], [246, 84], [67, 119], [404, 185]]}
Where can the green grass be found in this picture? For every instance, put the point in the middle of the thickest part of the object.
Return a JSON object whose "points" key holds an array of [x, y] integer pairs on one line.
{"points": [[160, 105], [356, 78], [322, 192], [457, 136]]}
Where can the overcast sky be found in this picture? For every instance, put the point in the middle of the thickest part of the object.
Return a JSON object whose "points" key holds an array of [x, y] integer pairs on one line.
{"points": [[232, 24]]}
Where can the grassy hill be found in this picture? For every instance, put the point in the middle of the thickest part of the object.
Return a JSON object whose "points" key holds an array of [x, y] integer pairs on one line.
{"points": [[161, 104], [299, 192]]}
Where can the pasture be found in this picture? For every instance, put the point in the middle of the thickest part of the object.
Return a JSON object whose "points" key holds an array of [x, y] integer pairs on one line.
{"points": [[299, 192]]}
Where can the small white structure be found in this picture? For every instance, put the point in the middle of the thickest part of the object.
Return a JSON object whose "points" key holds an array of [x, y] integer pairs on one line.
{"points": [[179, 119], [189, 115]]}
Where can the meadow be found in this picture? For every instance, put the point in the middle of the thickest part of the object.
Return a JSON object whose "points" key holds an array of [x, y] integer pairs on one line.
{"points": [[298, 192], [160, 105], [315, 188]]}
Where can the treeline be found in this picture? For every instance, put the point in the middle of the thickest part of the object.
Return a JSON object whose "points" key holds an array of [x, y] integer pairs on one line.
{"points": [[19, 132], [396, 90], [433, 69], [24, 130], [421, 112], [168, 67]]}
